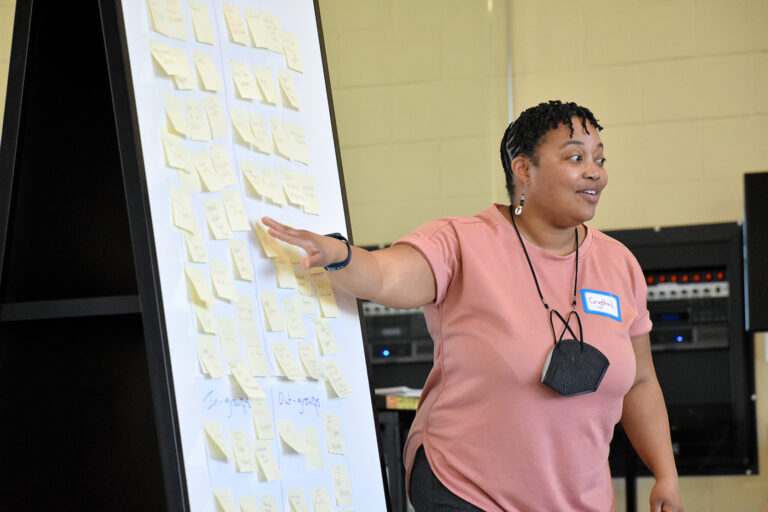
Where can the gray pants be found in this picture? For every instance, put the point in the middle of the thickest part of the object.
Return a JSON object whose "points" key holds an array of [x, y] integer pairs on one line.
{"points": [[429, 494]]}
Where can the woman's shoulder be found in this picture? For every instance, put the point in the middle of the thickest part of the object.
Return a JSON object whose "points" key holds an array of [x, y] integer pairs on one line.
{"points": [[607, 245]]}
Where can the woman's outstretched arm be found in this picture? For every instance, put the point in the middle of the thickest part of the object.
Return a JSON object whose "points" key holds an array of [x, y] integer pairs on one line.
{"points": [[397, 276]]}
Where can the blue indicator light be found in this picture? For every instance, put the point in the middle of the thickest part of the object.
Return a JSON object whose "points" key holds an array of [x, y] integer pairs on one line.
{"points": [[385, 352], [679, 339]]}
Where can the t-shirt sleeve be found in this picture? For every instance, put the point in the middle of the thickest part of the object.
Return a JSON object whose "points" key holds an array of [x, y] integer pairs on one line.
{"points": [[642, 323], [438, 242]]}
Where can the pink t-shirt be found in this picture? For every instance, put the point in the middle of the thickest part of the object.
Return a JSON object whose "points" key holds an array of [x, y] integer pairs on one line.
{"points": [[492, 432]]}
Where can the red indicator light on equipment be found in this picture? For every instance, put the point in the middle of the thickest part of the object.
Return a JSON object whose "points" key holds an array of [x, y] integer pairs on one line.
{"points": [[720, 276], [673, 278], [662, 279], [650, 279], [685, 278], [696, 277], [708, 276]]}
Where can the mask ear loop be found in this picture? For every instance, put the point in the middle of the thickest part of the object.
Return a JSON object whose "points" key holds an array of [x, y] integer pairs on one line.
{"points": [[566, 328], [581, 332]]}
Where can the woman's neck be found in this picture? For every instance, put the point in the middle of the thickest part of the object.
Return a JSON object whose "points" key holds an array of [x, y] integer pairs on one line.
{"points": [[553, 239]]}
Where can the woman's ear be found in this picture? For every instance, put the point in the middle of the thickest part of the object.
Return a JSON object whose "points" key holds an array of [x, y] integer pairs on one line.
{"points": [[521, 168]]}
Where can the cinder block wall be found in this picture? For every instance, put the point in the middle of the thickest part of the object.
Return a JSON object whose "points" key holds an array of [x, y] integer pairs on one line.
{"points": [[7, 10], [420, 92]]}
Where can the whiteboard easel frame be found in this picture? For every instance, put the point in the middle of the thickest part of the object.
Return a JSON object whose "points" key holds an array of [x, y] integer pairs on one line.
{"points": [[150, 294]]}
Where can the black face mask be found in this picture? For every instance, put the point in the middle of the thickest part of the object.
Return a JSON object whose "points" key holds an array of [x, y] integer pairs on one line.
{"points": [[572, 366]]}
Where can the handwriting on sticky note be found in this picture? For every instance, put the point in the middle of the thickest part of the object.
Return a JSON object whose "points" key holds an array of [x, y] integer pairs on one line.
{"points": [[216, 435], [336, 378], [333, 434]]}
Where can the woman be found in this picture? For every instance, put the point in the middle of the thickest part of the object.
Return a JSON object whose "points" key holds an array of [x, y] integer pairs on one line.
{"points": [[498, 290]]}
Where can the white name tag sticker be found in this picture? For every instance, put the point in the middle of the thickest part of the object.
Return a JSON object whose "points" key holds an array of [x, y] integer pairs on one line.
{"points": [[601, 303]]}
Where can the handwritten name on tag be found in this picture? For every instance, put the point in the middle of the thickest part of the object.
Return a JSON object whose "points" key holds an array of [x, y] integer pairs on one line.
{"points": [[601, 303]]}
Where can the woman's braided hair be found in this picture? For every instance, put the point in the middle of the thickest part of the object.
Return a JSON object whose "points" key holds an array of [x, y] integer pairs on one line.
{"points": [[522, 136]]}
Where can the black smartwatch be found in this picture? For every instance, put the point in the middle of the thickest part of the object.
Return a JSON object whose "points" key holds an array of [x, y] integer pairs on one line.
{"points": [[341, 264]]}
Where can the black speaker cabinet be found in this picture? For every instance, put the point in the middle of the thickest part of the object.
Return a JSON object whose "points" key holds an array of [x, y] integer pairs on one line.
{"points": [[701, 352], [756, 243]]}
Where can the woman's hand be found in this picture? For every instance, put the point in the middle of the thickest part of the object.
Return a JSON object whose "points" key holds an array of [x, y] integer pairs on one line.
{"points": [[665, 496], [321, 250]]}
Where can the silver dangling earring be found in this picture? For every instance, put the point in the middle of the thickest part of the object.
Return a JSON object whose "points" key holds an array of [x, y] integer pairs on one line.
{"points": [[519, 208]]}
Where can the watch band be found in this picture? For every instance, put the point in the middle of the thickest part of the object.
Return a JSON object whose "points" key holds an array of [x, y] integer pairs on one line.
{"points": [[341, 264]]}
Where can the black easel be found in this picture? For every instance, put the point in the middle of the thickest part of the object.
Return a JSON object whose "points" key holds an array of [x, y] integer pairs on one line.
{"points": [[87, 400]]}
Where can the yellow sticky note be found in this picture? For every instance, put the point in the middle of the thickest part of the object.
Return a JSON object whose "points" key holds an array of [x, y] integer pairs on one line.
{"points": [[309, 360], [342, 485], [242, 259], [245, 380], [225, 500], [209, 357], [325, 336], [223, 165], [235, 24], [280, 137], [290, 436], [244, 307], [244, 81], [269, 305], [286, 361], [205, 319], [262, 418], [216, 117], [221, 277], [266, 84], [321, 500], [307, 302], [303, 282], [286, 278], [265, 30], [254, 352], [185, 78], [208, 72], [166, 58], [260, 132], [244, 456], [196, 247], [196, 122], [269, 468], [201, 22], [168, 18], [174, 109], [334, 436], [295, 255], [204, 168], [292, 51], [183, 213], [189, 181], [242, 124], [298, 142], [274, 189], [293, 322], [314, 456], [248, 504], [269, 244], [288, 86], [297, 500], [217, 219], [311, 202], [216, 435], [252, 176], [325, 296], [292, 186], [199, 283], [230, 346], [175, 154], [233, 205], [336, 378]]}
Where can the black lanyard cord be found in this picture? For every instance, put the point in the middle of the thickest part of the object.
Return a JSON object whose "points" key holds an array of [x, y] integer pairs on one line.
{"points": [[533, 273]]}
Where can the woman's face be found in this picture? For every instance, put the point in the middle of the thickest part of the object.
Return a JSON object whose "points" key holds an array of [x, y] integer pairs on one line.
{"points": [[566, 182]]}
